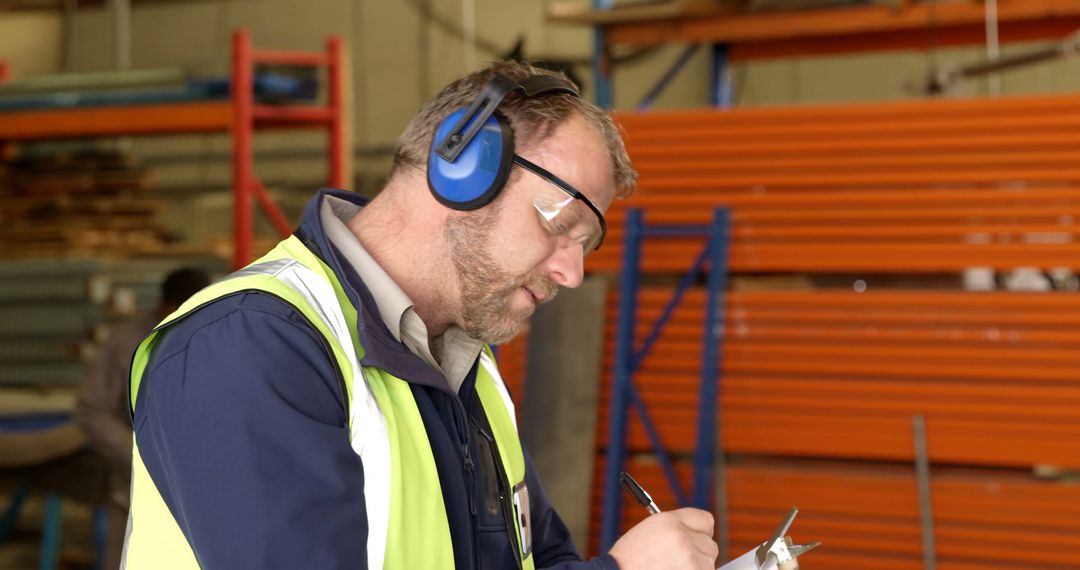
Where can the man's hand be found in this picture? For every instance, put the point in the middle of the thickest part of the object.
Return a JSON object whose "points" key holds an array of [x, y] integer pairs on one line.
{"points": [[679, 540]]}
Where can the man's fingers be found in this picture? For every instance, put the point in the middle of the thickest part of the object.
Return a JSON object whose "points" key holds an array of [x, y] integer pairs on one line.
{"points": [[705, 545], [672, 540], [699, 525], [696, 520]]}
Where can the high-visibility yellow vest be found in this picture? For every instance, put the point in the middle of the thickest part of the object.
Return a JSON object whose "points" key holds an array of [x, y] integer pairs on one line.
{"points": [[401, 482]]}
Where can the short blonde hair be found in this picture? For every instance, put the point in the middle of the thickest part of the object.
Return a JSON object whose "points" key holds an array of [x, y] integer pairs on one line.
{"points": [[531, 118]]}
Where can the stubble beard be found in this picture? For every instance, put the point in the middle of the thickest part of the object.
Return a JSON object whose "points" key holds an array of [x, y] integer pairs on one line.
{"points": [[486, 290]]}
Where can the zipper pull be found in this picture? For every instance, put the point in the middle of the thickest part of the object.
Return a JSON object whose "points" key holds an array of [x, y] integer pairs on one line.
{"points": [[469, 466]]}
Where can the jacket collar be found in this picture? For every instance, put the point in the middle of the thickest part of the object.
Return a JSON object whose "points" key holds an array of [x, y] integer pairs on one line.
{"points": [[381, 349]]}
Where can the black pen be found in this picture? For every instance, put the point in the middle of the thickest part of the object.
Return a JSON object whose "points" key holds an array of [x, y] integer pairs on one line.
{"points": [[638, 493]]}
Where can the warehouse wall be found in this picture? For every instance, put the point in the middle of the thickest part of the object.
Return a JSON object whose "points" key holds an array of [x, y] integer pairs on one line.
{"points": [[30, 42], [888, 76], [392, 78], [400, 58]]}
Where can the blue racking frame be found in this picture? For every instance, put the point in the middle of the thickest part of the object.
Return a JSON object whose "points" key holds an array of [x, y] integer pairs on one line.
{"points": [[628, 360]]}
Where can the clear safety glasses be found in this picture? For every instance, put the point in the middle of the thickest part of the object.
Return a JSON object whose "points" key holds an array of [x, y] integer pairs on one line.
{"points": [[565, 211]]}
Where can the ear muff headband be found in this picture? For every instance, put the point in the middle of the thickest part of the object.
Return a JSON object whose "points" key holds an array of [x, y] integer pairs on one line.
{"points": [[451, 145], [473, 148]]}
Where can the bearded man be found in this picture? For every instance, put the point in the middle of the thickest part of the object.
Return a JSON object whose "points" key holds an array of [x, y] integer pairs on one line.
{"points": [[335, 404]]}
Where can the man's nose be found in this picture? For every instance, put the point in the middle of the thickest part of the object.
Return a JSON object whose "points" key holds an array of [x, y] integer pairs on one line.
{"points": [[566, 266]]}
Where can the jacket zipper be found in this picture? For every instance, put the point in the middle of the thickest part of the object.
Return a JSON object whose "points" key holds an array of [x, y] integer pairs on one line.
{"points": [[506, 501], [470, 471]]}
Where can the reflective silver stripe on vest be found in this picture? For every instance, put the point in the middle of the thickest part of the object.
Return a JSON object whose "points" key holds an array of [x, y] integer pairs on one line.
{"points": [[370, 439], [500, 385]]}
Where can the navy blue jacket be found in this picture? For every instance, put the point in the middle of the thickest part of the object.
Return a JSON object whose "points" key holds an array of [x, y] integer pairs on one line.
{"points": [[242, 426]]}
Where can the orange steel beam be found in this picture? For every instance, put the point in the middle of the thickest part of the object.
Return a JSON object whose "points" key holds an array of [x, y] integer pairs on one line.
{"points": [[906, 316], [828, 300], [956, 159], [870, 434], [688, 205], [315, 116], [756, 333], [942, 108], [766, 215], [841, 506], [970, 220], [827, 436], [973, 317], [860, 28], [918, 39], [707, 145], [750, 392], [878, 129], [120, 120], [771, 181], [914, 258]]}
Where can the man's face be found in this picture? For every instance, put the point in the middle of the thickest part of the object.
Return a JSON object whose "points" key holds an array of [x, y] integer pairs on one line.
{"points": [[507, 259]]}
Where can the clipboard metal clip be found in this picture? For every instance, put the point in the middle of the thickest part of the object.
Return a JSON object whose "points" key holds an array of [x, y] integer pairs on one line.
{"points": [[781, 547]]}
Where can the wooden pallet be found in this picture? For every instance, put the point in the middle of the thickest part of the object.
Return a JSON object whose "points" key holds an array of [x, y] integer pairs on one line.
{"points": [[78, 205]]}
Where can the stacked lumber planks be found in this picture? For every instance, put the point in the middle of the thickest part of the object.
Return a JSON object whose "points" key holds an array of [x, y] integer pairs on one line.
{"points": [[77, 205], [55, 312]]}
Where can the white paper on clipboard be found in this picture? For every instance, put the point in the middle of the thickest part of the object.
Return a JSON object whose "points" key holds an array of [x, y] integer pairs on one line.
{"points": [[748, 561]]}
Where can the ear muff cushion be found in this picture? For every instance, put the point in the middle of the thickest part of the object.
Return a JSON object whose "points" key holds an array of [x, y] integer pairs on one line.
{"points": [[480, 171]]}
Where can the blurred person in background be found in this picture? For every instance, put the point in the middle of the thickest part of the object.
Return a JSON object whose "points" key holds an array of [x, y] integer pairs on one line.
{"points": [[102, 407]]}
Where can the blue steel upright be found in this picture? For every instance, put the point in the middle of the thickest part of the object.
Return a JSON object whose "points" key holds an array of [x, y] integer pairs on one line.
{"points": [[627, 360], [601, 64], [654, 93], [624, 356], [719, 77], [709, 452]]}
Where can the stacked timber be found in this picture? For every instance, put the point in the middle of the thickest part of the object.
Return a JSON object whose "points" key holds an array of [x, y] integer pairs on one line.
{"points": [[55, 312], [77, 205], [50, 314]]}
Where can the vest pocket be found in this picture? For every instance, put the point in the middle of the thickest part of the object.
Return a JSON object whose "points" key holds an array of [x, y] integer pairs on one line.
{"points": [[498, 513], [491, 516]]}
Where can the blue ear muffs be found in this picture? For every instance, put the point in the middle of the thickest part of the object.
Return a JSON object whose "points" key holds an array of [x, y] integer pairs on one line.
{"points": [[473, 148], [474, 178]]}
